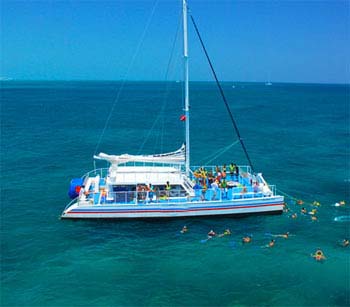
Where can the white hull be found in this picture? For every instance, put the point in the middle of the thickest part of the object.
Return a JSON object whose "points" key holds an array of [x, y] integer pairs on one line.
{"points": [[169, 210]]}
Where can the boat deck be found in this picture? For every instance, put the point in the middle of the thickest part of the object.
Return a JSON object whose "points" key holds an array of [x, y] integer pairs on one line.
{"points": [[238, 187]]}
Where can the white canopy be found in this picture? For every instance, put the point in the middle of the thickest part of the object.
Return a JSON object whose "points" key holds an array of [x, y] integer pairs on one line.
{"points": [[175, 157]]}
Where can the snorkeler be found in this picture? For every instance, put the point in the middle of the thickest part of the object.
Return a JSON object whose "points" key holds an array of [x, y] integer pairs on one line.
{"points": [[303, 210], [345, 243], [271, 243], [319, 255], [283, 235], [313, 212], [211, 234], [227, 232], [341, 203], [184, 229], [247, 239]]}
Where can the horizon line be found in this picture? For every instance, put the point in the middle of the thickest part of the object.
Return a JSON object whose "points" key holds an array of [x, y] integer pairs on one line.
{"points": [[175, 81]]}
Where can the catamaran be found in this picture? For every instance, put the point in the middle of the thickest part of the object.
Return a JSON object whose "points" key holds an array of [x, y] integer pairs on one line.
{"points": [[165, 185]]}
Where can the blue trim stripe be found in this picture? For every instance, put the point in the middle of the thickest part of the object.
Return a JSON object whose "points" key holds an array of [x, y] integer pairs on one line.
{"points": [[170, 209]]}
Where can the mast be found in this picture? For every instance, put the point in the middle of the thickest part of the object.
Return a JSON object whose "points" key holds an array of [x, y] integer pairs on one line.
{"points": [[187, 106]]}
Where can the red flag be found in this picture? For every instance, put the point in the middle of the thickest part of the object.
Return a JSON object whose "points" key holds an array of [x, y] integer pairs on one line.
{"points": [[183, 118]]}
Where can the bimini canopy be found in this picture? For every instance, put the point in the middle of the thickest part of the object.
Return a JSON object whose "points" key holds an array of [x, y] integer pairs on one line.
{"points": [[175, 157]]}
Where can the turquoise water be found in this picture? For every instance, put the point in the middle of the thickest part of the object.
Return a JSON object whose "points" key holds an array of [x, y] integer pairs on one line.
{"points": [[297, 135]]}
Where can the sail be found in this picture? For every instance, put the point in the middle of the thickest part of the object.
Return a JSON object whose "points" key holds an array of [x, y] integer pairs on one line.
{"points": [[175, 157]]}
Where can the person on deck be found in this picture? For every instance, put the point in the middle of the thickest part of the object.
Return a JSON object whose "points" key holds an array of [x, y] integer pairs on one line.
{"points": [[218, 176], [223, 187], [232, 169], [150, 191], [256, 187], [215, 187], [237, 171], [167, 189], [244, 191], [157, 193], [210, 178], [204, 191], [103, 196], [224, 170], [83, 193]]}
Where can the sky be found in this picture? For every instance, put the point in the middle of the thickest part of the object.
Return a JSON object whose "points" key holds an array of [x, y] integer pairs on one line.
{"points": [[248, 41]]}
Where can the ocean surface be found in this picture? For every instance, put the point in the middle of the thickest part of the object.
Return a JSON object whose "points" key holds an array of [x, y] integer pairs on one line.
{"points": [[297, 135]]}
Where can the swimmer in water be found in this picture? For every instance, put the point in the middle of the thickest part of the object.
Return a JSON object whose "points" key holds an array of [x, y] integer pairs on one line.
{"points": [[340, 204], [247, 239], [283, 235], [184, 229], [313, 212], [303, 210], [227, 232], [318, 255], [294, 216], [316, 203], [345, 243], [314, 218], [300, 202], [211, 234], [271, 243]]}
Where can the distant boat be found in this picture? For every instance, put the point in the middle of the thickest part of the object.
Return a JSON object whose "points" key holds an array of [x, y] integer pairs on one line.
{"points": [[165, 186], [268, 83]]}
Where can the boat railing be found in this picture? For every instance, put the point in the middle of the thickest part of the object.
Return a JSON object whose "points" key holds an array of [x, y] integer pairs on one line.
{"points": [[212, 168], [178, 166], [72, 202], [103, 172], [98, 171], [273, 189], [172, 196], [133, 197]]}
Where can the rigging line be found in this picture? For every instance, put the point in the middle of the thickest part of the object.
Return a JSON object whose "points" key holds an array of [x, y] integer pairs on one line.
{"points": [[127, 73], [215, 153], [221, 152], [222, 93], [285, 194], [292, 197], [166, 93]]}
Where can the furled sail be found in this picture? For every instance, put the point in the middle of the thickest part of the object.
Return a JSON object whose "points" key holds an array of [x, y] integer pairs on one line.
{"points": [[175, 157]]}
